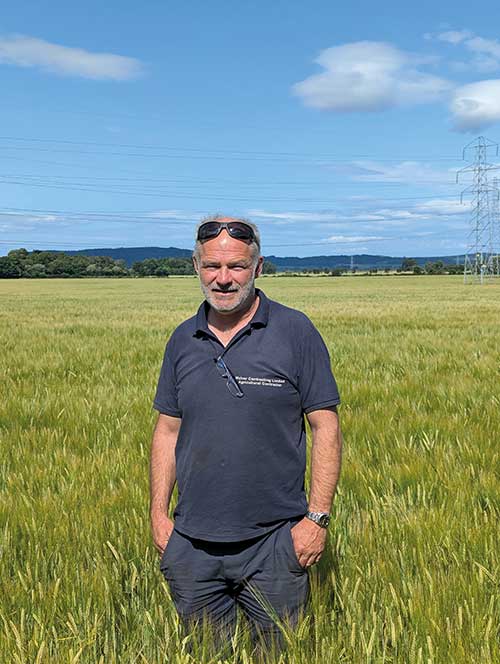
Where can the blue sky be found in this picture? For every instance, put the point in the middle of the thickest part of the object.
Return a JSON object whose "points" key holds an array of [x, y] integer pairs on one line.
{"points": [[338, 129]]}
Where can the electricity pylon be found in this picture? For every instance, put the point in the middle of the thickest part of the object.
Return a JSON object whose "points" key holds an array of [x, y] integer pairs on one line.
{"points": [[478, 259]]}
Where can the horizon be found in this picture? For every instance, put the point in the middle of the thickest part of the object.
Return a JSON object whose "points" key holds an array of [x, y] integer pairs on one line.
{"points": [[291, 256], [337, 137]]}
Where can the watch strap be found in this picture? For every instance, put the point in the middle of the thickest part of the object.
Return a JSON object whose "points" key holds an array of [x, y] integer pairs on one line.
{"points": [[320, 518]]}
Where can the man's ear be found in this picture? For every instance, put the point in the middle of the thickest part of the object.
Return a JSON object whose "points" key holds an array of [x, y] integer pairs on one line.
{"points": [[195, 264], [258, 268]]}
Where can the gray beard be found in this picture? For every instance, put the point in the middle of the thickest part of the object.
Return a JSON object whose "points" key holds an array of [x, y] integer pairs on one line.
{"points": [[243, 293]]}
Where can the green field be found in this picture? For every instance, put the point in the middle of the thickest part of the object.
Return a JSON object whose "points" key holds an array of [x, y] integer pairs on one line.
{"points": [[411, 573]]}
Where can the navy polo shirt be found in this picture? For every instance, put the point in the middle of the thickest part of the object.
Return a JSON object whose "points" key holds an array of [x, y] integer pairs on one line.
{"points": [[240, 461]]}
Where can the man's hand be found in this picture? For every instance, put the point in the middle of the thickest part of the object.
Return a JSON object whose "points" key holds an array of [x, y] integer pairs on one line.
{"points": [[309, 541], [161, 527]]}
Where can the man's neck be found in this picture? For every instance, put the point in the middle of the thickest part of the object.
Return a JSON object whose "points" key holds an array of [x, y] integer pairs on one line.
{"points": [[233, 321]]}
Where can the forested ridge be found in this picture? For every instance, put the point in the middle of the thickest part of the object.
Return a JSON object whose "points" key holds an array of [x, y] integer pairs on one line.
{"points": [[23, 264]]}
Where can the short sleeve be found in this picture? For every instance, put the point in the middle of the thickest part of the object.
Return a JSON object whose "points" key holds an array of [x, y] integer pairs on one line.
{"points": [[165, 400], [317, 385]]}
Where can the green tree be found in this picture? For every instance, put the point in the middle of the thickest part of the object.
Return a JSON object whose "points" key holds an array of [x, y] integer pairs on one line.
{"points": [[436, 267], [119, 270], [455, 269], [268, 267], [21, 263], [18, 254], [162, 271], [148, 267], [63, 266], [10, 268], [35, 271], [180, 265], [162, 267], [138, 269], [408, 264]]}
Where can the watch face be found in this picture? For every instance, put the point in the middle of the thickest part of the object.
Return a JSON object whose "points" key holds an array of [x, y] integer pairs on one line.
{"points": [[324, 520]]}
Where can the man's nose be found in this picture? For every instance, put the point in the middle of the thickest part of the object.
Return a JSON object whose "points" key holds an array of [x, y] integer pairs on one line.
{"points": [[224, 276]]}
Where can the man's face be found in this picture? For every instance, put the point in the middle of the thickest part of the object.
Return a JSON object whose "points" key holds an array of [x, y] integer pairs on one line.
{"points": [[227, 272]]}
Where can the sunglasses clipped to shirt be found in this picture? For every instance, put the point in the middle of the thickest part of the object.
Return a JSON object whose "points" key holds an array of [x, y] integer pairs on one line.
{"points": [[236, 229], [225, 372]]}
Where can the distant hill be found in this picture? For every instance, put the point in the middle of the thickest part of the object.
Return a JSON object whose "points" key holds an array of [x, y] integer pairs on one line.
{"points": [[283, 264], [360, 262], [132, 254]]}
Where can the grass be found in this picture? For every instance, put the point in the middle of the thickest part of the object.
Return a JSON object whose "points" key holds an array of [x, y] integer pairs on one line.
{"points": [[411, 570]]}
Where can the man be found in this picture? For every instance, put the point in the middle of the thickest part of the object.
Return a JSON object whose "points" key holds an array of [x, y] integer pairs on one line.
{"points": [[236, 382]]}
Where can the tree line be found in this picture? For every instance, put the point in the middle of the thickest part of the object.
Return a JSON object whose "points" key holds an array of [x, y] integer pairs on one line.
{"points": [[430, 267], [23, 264], [37, 264]]}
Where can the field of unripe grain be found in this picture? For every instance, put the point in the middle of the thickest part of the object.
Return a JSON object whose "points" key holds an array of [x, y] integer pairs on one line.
{"points": [[411, 571]]}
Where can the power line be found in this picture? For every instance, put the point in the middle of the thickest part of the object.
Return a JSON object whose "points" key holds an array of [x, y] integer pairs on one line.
{"points": [[192, 182], [154, 218], [159, 194], [246, 181], [314, 161], [356, 183], [197, 150], [257, 198]]}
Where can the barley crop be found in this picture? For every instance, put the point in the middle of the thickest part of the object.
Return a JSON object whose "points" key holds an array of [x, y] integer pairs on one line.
{"points": [[411, 570]]}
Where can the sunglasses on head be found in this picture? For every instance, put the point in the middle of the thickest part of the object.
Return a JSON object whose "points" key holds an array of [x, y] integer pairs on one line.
{"points": [[236, 229]]}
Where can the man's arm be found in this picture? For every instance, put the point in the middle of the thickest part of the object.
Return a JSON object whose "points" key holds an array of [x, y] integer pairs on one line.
{"points": [[326, 454], [162, 477], [309, 538]]}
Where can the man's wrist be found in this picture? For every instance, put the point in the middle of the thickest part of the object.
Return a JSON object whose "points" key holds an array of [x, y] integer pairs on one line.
{"points": [[321, 519], [158, 511]]}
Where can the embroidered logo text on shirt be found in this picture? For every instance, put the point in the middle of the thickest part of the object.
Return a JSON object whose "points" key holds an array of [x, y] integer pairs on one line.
{"points": [[265, 382]]}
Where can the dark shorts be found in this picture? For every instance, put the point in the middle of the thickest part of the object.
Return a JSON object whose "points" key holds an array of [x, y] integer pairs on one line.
{"points": [[262, 576]]}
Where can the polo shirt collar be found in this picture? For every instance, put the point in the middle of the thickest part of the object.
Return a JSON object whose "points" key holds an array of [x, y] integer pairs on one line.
{"points": [[260, 317]]}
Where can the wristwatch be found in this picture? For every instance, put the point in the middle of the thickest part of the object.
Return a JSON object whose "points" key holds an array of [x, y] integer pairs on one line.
{"points": [[320, 518]]}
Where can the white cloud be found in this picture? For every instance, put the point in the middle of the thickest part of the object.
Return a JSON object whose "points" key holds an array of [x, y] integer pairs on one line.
{"points": [[443, 207], [22, 217], [369, 76], [410, 172], [476, 105], [486, 52], [390, 214], [452, 36], [481, 45], [25, 51], [367, 216], [425, 211], [38, 223], [353, 239], [294, 216], [373, 217], [173, 214]]}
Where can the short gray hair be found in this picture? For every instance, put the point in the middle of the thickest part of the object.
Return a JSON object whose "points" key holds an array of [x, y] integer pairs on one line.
{"points": [[255, 244]]}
